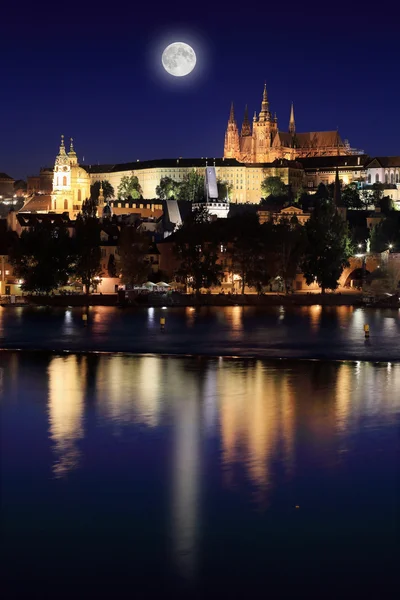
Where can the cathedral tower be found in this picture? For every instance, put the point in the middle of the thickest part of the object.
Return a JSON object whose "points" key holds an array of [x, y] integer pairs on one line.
{"points": [[231, 146], [264, 131]]}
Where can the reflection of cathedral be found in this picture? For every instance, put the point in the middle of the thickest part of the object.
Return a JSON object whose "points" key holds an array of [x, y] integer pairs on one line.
{"points": [[263, 142]]}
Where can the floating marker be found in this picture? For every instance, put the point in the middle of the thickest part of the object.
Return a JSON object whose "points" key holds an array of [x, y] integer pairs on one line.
{"points": [[366, 330]]}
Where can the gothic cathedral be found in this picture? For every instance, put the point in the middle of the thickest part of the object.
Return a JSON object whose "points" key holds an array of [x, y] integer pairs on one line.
{"points": [[263, 142]]}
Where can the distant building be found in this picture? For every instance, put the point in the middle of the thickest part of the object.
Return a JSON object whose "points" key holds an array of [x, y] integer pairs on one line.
{"points": [[287, 213], [261, 141], [6, 186], [42, 183], [322, 169]]}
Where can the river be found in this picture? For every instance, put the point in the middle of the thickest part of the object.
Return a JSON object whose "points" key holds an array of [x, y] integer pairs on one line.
{"points": [[199, 476], [272, 332]]}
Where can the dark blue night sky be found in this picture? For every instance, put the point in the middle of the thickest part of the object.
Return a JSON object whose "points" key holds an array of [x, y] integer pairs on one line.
{"points": [[92, 71]]}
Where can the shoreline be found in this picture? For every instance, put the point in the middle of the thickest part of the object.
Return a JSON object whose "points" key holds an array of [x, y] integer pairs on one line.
{"points": [[197, 356], [209, 300]]}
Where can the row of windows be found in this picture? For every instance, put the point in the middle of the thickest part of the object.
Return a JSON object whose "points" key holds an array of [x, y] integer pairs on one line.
{"points": [[391, 179]]}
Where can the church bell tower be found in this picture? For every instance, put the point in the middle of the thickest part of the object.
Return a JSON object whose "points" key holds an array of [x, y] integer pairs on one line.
{"points": [[231, 146]]}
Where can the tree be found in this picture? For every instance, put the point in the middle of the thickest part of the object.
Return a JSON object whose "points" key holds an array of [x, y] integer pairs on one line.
{"points": [[328, 247], [112, 267], [133, 253], [89, 208], [43, 258], [167, 188], [87, 247], [108, 190], [224, 189], [287, 244], [351, 197], [192, 187], [247, 251], [273, 186], [386, 233], [129, 187], [197, 252]]}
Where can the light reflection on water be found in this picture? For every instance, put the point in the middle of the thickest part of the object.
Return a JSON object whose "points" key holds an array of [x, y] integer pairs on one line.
{"points": [[248, 428], [276, 332]]}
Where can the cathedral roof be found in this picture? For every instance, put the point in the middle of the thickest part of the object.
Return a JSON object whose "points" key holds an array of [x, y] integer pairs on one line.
{"points": [[310, 139]]}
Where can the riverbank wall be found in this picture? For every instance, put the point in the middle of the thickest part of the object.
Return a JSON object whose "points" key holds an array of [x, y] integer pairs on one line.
{"points": [[183, 300]]}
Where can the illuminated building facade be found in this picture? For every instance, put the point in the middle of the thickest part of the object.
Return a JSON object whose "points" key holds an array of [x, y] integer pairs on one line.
{"points": [[71, 183], [263, 142]]}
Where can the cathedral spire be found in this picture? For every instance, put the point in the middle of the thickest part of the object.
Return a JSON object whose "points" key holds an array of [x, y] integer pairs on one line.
{"points": [[255, 116], [232, 114], [292, 124], [71, 146], [246, 129], [265, 115]]}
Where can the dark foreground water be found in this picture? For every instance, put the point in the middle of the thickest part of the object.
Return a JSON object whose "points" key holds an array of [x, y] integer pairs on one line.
{"points": [[275, 332], [166, 477]]}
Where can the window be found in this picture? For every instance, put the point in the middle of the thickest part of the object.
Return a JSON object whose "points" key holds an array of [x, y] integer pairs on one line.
{"points": [[386, 177], [7, 272], [65, 204], [391, 177], [397, 178], [377, 178], [64, 180], [79, 195], [369, 177]]}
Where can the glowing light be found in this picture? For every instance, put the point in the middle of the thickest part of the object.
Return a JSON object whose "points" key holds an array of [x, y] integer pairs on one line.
{"points": [[179, 59]]}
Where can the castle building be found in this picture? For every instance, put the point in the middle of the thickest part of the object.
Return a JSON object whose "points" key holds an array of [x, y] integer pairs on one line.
{"points": [[71, 183], [263, 142]]}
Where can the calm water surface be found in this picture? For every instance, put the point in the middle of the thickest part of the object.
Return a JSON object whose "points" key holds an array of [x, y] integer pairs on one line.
{"points": [[275, 332], [144, 476]]}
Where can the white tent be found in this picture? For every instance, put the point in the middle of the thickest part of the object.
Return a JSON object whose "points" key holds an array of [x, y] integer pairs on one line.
{"points": [[163, 284], [149, 285]]}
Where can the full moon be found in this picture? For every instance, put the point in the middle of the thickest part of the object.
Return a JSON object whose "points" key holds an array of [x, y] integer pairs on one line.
{"points": [[179, 59]]}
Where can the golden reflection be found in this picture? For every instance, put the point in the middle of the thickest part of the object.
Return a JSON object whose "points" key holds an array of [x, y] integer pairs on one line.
{"points": [[343, 391], [190, 315], [186, 484], [256, 414], [236, 317], [344, 314], [129, 390], [315, 316], [67, 379]]}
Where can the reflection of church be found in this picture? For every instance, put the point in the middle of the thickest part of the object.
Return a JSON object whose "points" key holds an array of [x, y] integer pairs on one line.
{"points": [[263, 142]]}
